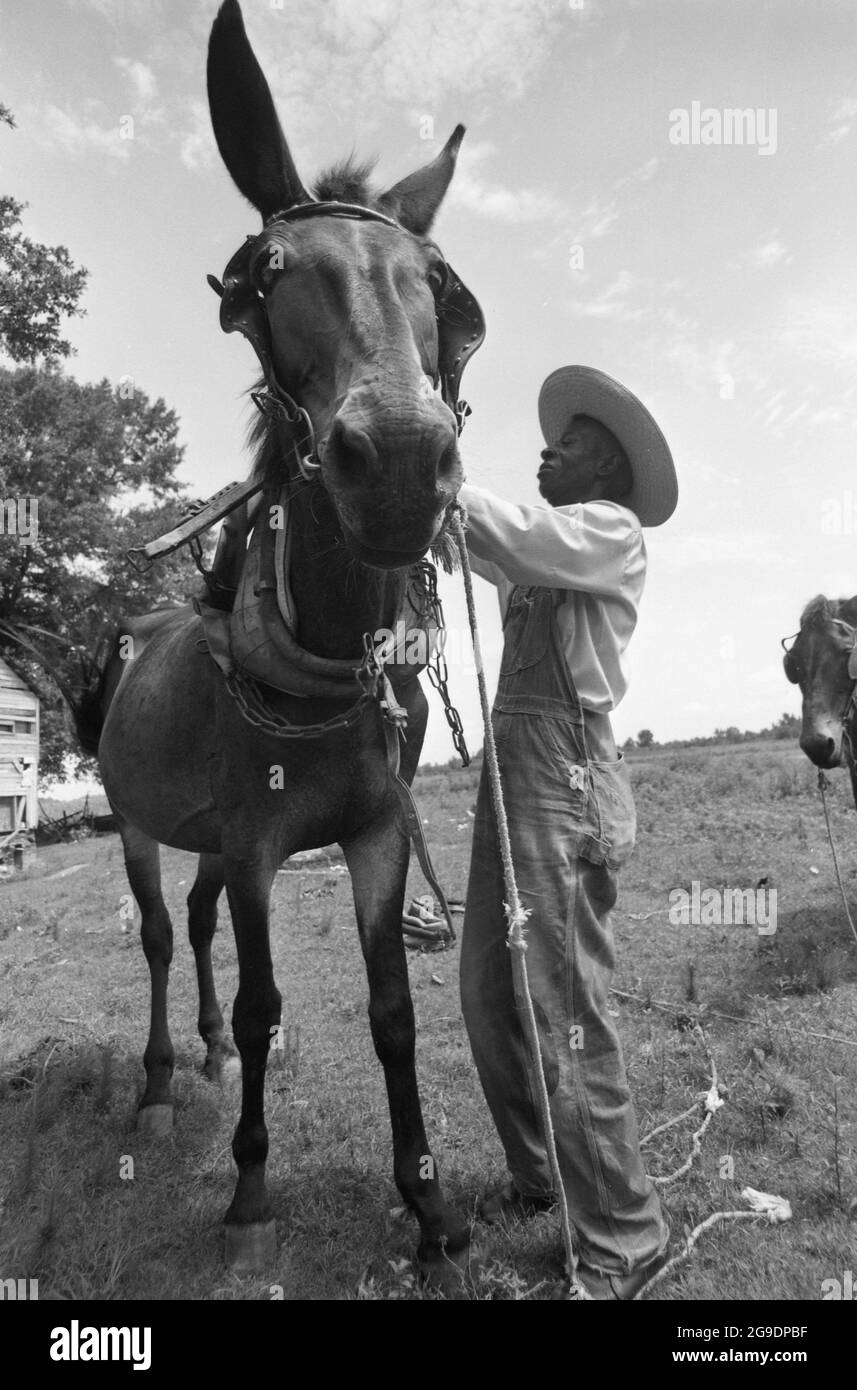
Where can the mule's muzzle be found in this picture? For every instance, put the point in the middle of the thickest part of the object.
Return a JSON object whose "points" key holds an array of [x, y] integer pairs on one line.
{"points": [[822, 749], [359, 453], [391, 479]]}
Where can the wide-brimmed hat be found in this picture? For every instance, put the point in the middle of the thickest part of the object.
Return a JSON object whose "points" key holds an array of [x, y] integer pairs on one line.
{"points": [[584, 391]]}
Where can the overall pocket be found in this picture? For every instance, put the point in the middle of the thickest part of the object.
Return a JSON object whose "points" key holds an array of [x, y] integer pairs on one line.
{"points": [[613, 810], [542, 763]]}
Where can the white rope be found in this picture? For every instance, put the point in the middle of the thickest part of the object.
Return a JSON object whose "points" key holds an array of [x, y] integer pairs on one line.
{"points": [[516, 916], [712, 1102], [765, 1206], [823, 784]]}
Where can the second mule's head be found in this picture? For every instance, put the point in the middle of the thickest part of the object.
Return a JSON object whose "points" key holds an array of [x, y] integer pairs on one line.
{"points": [[820, 662], [351, 314]]}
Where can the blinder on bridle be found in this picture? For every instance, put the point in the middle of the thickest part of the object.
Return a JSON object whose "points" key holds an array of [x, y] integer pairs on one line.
{"points": [[791, 667], [460, 322]]}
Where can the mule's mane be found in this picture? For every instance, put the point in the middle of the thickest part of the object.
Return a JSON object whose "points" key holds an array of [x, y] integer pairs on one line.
{"points": [[347, 182], [269, 465]]}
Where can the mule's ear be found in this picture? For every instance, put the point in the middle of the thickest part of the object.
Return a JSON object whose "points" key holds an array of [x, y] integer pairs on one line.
{"points": [[846, 610], [415, 200], [246, 126]]}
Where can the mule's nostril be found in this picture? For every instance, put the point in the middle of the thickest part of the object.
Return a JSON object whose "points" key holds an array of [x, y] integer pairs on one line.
{"points": [[351, 452], [448, 461]]}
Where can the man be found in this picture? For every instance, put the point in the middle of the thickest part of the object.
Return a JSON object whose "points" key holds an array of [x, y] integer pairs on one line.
{"points": [[570, 576]]}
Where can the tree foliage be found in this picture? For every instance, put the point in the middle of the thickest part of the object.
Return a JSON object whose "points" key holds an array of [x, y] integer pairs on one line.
{"points": [[39, 285], [100, 463]]}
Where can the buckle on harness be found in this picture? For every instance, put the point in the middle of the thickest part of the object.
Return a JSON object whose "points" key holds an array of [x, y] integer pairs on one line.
{"points": [[393, 712]]}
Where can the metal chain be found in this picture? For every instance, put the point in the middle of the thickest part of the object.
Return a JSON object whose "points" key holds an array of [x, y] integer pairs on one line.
{"points": [[256, 710], [436, 667]]}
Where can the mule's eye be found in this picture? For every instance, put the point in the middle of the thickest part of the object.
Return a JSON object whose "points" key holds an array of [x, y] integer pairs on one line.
{"points": [[436, 276], [268, 265]]}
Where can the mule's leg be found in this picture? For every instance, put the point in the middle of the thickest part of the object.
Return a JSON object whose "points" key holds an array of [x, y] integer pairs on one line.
{"points": [[202, 924], [143, 866], [378, 861], [251, 1241]]}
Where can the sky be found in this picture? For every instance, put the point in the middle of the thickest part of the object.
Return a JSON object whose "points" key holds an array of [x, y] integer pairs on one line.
{"points": [[715, 279]]}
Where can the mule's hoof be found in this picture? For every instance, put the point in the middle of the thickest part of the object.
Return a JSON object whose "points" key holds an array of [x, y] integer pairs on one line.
{"points": [[251, 1249], [452, 1273], [155, 1120], [222, 1066]]}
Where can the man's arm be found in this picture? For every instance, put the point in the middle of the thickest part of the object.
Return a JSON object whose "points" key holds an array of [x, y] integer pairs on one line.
{"points": [[585, 546]]}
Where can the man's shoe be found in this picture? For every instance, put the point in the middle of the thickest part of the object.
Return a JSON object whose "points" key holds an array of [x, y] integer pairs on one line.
{"points": [[508, 1204], [620, 1287]]}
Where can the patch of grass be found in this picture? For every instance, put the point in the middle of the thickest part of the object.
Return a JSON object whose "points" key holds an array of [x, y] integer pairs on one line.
{"points": [[95, 1210]]}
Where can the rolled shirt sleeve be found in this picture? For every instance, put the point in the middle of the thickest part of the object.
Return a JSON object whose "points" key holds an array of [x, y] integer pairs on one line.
{"points": [[583, 546], [593, 551]]}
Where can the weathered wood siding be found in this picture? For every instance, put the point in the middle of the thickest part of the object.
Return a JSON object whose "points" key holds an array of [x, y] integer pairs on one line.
{"points": [[19, 753]]}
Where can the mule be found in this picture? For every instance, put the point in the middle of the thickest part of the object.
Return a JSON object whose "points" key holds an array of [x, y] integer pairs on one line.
{"points": [[344, 283], [822, 661]]}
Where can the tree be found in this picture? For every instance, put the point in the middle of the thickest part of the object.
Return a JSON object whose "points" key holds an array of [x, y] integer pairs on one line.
{"points": [[645, 738], [38, 286], [99, 463], [787, 726]]}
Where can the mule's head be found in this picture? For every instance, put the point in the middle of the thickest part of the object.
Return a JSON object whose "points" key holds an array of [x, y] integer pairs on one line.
{"points": [[818, 661], [350, 304]]}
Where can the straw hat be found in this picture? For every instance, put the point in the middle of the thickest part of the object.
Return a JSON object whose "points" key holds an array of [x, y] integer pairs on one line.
{"points": [[585, 391]]}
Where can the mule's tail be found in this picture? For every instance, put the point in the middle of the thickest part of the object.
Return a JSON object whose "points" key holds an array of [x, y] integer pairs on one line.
{"points": [[88, 714]]}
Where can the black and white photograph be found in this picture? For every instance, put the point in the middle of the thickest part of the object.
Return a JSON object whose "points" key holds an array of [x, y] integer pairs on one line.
{"points": [[428, 666]]}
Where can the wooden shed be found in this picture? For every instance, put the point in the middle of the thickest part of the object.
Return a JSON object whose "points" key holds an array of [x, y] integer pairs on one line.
{"points": [[19, 754]]}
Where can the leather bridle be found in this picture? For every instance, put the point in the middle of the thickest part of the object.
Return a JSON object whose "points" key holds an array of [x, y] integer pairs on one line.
{"points": [[791, 669], [461, 326]]}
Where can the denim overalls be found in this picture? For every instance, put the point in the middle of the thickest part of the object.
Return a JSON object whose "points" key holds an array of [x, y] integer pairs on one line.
{"points": [[571, 823]]}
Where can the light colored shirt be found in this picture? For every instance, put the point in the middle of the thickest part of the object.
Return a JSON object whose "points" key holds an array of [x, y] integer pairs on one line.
{"points": [[594, 552]]}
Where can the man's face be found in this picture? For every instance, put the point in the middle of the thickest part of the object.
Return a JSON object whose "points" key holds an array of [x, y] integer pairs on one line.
{"points": [[572, 467]]}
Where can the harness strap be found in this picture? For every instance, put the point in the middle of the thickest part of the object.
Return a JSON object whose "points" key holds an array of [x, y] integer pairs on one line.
{"points": [[197, 520], [376, 685], [394, 718]]}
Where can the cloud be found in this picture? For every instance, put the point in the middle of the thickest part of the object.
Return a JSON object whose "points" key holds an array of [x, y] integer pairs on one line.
{"points": [[142, 78], [766, 677], [76, 134], [197, 147], [472, 190], [822, 331], [141, 14], [678, 554], [600, 214], [612, 302], [343, 56], [768, 254], [841, 120]]}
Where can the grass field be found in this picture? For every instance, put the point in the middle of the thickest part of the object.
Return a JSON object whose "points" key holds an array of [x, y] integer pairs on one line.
{"points": [[73, 1017]]}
